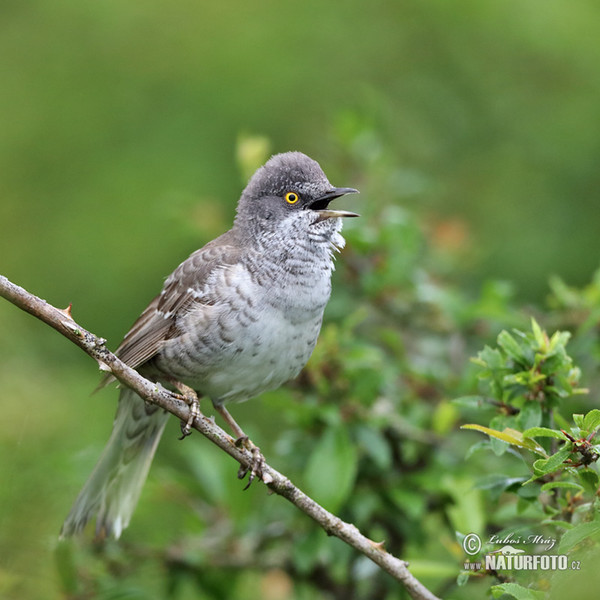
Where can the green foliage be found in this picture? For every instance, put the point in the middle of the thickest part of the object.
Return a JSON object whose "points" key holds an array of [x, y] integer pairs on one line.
{"points": [[529, 372], [532, 369]]}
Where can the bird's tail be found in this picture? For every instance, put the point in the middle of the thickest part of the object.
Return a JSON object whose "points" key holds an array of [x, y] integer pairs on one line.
{"points": [[113, 489]]}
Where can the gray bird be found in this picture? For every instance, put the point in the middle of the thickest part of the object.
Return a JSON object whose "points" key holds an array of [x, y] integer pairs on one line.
{"points": [[239, 317]]}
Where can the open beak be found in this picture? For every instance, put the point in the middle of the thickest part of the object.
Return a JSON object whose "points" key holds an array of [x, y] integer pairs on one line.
{"points": [[320, 204]]}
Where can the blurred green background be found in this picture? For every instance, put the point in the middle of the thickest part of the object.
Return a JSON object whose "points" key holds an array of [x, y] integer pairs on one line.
{"points": [[127, 130]]}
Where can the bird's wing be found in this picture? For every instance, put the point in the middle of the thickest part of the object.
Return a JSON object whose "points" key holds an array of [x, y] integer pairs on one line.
{"points": [[181, 289]]}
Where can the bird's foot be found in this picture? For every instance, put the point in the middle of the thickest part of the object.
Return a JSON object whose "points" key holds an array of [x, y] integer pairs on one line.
{"points": [[190, 397], [186, 427], [256, 466]]}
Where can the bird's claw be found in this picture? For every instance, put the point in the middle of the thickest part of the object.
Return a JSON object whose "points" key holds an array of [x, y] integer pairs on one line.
{"points": [[194, 404], [258, 461]]}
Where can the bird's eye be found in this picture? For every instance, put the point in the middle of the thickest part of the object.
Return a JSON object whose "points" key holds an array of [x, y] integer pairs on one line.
{"points": [[291, 197]]}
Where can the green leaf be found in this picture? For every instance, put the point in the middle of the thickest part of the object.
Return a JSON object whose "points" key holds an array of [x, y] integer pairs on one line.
{"points": [[544, 432], [549, 465], [558, 523], [501, 435], [517, 591], [529, 493], [510, 436], [467, 512], [561, 484], [589, 478], [530, 415], [499, 423], [489, 357], [477, 447], [494, 480], [558, 341], [331, 468], [578, 534], [508, 343], [540, 337], [496, 484], [591, 421]]}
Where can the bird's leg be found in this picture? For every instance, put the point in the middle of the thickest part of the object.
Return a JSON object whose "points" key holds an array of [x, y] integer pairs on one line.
{"points": [[240, 436], [190, 397], [242, 440]]}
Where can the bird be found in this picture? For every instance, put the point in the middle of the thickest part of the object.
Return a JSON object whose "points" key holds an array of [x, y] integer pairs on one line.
{"points": [[239, 317]]}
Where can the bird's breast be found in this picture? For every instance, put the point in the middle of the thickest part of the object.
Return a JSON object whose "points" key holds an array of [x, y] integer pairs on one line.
{"points": [[256, 331]]}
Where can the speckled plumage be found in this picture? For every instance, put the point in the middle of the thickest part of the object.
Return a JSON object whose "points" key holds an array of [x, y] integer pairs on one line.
{"points": [[240, 316]]}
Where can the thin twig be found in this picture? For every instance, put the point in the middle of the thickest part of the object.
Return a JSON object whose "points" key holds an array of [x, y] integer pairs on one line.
{"points": [[62, 321]]}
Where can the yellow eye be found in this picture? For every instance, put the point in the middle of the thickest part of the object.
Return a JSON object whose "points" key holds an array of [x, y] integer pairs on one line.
{"points": [[292, 197]]}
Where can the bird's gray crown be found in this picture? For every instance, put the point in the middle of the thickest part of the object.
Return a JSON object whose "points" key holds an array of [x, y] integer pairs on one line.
{"points": [[291, 171]]}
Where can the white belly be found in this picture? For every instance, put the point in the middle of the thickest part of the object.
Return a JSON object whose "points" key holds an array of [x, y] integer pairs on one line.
{"points": [[270, 352]]}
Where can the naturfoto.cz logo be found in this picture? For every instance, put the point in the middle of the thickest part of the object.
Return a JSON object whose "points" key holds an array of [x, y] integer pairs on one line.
{"points": [[509, 558]]}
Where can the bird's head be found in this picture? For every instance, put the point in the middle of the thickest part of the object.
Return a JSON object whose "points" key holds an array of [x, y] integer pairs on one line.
{"points": [[290, 195]]}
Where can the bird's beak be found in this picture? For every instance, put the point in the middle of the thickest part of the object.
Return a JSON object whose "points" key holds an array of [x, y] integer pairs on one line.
{"points": [[320, 204]]}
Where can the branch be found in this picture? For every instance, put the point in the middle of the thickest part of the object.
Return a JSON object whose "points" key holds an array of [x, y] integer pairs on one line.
{"points": [[62, 321]]}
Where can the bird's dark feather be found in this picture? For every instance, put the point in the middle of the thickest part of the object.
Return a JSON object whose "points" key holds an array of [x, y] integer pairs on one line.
{"points": [[181, 289]]}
